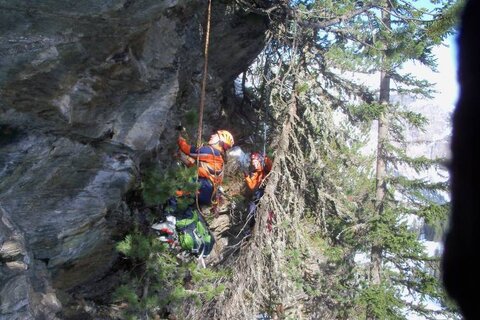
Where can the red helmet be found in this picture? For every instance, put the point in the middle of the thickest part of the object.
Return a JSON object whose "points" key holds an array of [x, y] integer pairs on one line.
{"points": [[257, 160], [256, 156]]}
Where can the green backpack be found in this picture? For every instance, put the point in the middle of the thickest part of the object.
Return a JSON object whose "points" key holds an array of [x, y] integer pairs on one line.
{"points": [[193, 233]]}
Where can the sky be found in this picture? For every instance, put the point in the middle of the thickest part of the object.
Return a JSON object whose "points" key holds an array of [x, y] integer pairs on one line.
{"points": [[446, 77], [437, 110], [445, 80]]}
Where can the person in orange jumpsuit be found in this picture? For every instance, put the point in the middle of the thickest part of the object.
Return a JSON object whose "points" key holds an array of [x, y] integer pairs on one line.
{"points": [[260, 167], [210, 162]]}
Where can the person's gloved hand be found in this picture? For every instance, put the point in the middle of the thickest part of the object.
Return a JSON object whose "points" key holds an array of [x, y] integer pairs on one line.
{"points": [[180, 138]]}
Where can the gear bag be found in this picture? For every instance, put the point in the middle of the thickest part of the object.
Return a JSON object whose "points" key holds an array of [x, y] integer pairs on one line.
{"points": [[193, 233]]}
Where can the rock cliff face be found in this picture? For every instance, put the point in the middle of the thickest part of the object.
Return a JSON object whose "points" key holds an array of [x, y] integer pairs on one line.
{"points": [[89, 90]]}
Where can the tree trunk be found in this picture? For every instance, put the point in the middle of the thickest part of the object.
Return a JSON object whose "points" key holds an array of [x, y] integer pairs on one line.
{"points": [[380, 174], [380, 190]]}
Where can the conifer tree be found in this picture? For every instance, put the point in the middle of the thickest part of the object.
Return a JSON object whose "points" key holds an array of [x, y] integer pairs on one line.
{"points": [[328, 201], [380, 37], [400, 269]]}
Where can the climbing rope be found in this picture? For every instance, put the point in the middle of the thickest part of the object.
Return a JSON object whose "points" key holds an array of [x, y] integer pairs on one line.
{"points": [[204, 81], [200, 259], [266, 100], [202, 93], [264, 143]]}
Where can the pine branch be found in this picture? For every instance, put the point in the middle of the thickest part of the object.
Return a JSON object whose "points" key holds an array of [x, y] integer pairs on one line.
{"points": [[339, 19]]}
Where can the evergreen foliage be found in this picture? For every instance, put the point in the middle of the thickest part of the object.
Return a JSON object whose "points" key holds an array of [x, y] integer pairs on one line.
{"points": [[323, 185], [160, 283], [162, 279], [385, 302], [160, 184], [328, 202]]}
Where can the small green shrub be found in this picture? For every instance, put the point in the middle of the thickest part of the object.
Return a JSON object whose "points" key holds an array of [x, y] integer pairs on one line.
{"points": [[159, 185], [159, 280]]}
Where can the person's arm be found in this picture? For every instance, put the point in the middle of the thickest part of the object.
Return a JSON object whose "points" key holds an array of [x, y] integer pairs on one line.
{"points": [[185, 147], [204, 153]]}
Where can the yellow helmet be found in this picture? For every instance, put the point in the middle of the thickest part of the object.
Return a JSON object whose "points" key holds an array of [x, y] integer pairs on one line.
{"points": [[226, 139]]}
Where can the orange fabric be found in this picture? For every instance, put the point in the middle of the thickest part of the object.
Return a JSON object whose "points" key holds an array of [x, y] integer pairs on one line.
{"points": [[181, 193], [184, 146], [215, 179], [255, 179], [210, 160]]}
